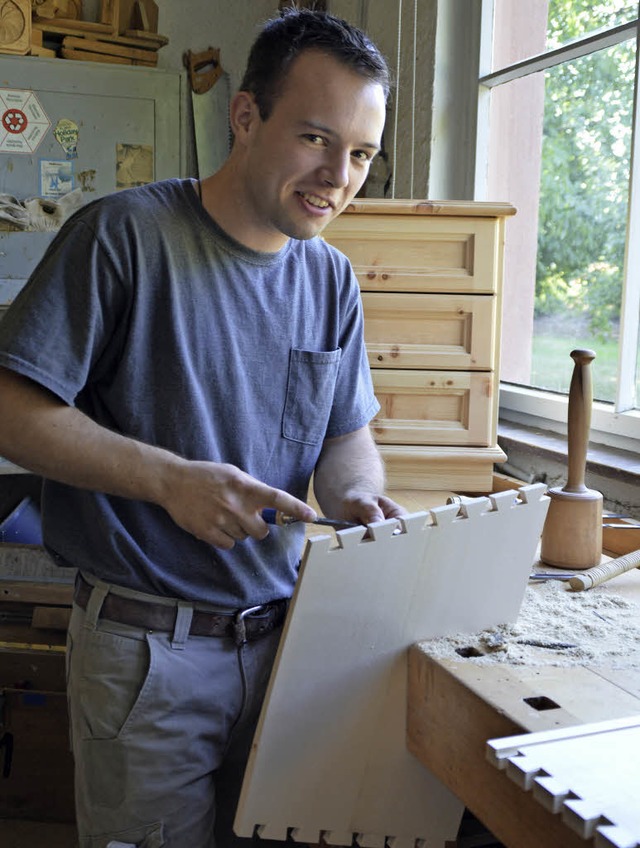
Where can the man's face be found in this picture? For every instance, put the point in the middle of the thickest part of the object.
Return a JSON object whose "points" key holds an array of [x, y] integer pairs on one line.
{"points": [[312, 154]]}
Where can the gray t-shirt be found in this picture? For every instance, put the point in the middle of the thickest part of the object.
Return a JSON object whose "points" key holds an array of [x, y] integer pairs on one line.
{"points": [[148, 317]]}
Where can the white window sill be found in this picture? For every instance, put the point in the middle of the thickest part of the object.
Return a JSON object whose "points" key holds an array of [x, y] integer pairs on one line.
{"points": [[534, 454]]}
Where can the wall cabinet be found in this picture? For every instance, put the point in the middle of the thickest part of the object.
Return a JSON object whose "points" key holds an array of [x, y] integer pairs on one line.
{"points": [[115, 109], [431, 281]]}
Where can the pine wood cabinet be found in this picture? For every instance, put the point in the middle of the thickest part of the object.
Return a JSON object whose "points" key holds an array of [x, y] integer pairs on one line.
{"points": [[431, 280]]}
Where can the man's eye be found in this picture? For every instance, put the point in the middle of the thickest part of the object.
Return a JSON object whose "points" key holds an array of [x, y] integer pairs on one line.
{"points": [[314, 139], [361, 156]]}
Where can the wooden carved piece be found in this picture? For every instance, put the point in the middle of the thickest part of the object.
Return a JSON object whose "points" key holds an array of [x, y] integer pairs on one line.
{"points": [[329, 759], [66, 9], [15, 26], [124, 15]]}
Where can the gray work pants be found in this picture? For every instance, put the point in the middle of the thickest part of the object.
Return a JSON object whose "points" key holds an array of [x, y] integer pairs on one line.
{"points": [[161, 728]]}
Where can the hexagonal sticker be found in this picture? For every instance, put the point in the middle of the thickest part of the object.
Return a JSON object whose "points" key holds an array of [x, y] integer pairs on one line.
{"points": [[23, 122]]}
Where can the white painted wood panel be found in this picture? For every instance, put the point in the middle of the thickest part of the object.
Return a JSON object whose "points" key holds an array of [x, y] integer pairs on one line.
{"points": [[329, 757]]}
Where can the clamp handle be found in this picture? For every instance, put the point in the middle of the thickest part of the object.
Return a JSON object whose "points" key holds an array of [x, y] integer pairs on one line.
{"points": [[204, 69]]}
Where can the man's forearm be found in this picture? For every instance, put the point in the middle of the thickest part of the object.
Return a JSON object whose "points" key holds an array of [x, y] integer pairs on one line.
{"points": [[348, 464], [216, 502], [42, 434]]}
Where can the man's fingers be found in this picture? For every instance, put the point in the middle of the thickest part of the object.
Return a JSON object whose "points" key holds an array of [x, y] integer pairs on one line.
{"points": [[288, 505]]}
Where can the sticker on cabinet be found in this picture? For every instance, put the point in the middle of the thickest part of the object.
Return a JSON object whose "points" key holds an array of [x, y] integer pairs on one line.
{"points": [[23, 122]]}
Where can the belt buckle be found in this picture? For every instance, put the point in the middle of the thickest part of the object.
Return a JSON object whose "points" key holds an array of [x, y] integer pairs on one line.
{"points": [[239, 625]]}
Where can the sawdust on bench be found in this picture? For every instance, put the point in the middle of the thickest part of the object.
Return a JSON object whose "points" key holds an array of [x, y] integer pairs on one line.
{"points": [[556, 626]]}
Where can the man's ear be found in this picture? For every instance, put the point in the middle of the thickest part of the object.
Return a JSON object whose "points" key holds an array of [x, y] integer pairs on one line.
{"points": [[243, 114]]}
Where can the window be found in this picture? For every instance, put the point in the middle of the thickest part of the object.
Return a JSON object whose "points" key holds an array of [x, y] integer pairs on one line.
{"points": [[558, 107]]}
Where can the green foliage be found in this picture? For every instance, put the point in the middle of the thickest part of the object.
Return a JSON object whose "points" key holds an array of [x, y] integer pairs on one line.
{"points": [[585, 169]]}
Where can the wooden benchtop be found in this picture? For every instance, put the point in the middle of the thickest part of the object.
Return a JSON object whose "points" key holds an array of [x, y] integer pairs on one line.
{"points": [[456, 705]]}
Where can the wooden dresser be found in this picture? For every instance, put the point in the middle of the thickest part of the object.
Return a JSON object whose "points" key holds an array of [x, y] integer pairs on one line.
{"points": [[431, 280]]}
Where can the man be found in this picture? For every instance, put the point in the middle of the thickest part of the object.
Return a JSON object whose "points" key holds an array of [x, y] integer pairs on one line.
{"points": [[185, 356]]}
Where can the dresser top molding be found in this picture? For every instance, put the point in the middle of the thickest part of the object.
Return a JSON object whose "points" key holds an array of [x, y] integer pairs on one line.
{"points": [[475, 208]]}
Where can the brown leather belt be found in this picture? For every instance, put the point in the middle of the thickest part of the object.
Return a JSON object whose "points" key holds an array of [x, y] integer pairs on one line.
{"points": [[244, 625]]}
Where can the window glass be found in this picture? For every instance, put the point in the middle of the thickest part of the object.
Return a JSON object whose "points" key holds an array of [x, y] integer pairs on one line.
{"points": [[525, 29], [559, 150], [584, 186], [569, 20]]}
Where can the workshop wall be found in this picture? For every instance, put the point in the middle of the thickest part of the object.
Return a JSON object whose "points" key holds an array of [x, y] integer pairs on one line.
{"points": [[231, 27]]}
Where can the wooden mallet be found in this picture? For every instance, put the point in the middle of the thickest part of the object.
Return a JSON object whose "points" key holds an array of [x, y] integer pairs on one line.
{"points": [[572, 532]]}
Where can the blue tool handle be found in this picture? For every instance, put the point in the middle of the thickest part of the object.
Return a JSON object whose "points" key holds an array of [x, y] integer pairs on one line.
{"points": [[270, 515]]}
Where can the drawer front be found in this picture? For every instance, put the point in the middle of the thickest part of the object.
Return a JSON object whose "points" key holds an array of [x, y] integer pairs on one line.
{"points": [[433, 407], [438, 468], [418, 253], [429, 330]]}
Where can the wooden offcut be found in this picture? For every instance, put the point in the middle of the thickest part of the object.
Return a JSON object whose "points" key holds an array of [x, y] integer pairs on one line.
{"points": [[106, 51]]}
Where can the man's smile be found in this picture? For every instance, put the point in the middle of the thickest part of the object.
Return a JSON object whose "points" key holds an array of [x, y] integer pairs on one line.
{"points": [[314, 200]]}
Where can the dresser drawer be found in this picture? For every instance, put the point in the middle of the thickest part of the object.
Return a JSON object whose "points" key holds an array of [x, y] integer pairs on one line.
{"points": [[433, 407], [429, 330], [414, 254]]}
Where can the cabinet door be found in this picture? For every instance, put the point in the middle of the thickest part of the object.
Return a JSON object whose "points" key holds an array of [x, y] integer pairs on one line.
{"points": [[115, 108], [433, 407], [418, 253], [429, 330]]}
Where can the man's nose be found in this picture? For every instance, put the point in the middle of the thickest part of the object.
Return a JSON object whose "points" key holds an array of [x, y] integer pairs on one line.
{"points": [[336, 169]]}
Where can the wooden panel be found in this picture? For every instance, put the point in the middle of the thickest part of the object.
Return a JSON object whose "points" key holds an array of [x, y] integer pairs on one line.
{"points": [[589, 774], [468, 208], [400, 253], [433, 407], [440, 468], [429, 330], [329, 753]]}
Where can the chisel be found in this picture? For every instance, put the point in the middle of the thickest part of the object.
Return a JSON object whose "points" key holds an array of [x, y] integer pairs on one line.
{"points": [[274, 516]]}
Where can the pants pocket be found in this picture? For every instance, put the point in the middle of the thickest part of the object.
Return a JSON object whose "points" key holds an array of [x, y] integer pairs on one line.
{"points": [[108, 674]]}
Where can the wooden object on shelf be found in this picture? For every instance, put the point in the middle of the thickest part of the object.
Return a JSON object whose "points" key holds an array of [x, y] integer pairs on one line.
{"points": [[123, 15], [69, 26], [96, 42], [572, 535], [15, 26], [69, 9], [430, 274], [37, 48], [101, 51], [329, 753]]}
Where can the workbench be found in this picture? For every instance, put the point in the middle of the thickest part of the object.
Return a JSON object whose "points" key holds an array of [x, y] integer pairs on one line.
{"points": [[457, 705]]}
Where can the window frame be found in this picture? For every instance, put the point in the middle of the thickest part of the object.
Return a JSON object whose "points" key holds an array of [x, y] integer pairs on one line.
{"points": [[617, 424]]}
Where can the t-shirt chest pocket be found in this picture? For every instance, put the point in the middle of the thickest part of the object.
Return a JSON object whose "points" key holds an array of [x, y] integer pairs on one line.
{"points": [[310, 389]]}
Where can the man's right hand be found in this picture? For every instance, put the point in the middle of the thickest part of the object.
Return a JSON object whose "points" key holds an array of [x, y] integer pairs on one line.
{"points": [[220, 504], [216, 502]]}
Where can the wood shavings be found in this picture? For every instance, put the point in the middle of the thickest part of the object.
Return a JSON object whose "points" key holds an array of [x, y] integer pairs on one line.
{"points": [[555, 627]]}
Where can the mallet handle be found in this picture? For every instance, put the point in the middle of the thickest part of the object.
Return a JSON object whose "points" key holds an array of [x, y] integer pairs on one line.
{"points": [[601, 573], [579, 420]]}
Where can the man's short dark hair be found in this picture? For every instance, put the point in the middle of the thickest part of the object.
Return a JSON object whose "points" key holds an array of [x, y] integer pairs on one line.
{"points": [[284, 38]]}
